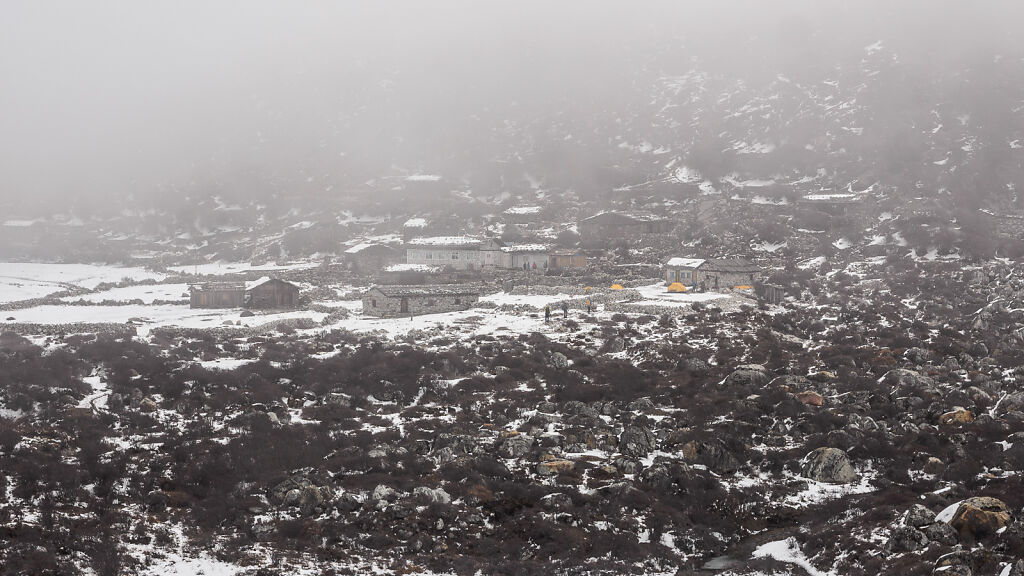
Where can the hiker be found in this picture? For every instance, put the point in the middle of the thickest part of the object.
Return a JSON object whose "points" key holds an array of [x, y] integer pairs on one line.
{"points": [[588, 306], [547, 313], [565, 310]]}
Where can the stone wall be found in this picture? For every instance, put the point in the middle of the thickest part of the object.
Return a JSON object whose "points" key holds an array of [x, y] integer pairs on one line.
{"points": [[391, 307]]}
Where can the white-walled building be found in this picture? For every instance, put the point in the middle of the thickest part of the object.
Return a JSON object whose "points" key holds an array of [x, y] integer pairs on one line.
{"points": [[459, 252]]}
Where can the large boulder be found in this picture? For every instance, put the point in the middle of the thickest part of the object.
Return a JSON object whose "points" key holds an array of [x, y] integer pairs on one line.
{"points": [[906, 539], [311, 499], [432, 495], [830, 465], [941, 533], [918, 516], [296, 483], [748, 375], [559, 361], [515, 446], [956, 417], [901, 379], [637, 441], [555, 467], [980, 517], [713, 455]]}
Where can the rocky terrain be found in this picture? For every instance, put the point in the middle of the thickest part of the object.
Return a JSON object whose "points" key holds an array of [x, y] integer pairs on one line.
{"points": [[873, 423]]}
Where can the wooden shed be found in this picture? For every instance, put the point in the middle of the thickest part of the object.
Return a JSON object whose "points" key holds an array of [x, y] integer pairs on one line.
{"points": [[568, 259], [271, 293], [217, 295]]}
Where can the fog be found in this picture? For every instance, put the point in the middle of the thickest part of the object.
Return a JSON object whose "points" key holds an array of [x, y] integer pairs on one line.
{"points": [[103, 102]]}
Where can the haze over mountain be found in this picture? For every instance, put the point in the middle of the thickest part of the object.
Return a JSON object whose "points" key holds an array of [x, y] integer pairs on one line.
{"points": [[162, 106]]}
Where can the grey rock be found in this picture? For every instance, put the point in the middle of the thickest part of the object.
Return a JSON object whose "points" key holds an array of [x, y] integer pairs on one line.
{"points": [[516, 446], [292, 497], [558, 361], [627, 465], [919, 516], [941, 533], [432, 495], [383, 492], [918, 355], [712, 454], [559, 501], [310, 499], [637, 441], [748, 375], [906, 539], [830, 465]]}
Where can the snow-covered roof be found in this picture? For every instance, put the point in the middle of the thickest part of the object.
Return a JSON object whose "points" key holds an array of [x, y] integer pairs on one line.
{"points": [[523, 210], [403, 267], [254, 283], [358, 248], [415, 223], [685, 262], [450, 241], [525, 248], [397, 290], [832, 197]]}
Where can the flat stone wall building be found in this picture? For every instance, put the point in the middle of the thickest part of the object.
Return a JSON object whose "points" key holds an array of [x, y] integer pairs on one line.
{"points": [[412, 300], [713, 274]]}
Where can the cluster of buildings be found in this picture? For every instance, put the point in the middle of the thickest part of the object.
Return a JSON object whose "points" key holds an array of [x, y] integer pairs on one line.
{"points": [[430, 274]]}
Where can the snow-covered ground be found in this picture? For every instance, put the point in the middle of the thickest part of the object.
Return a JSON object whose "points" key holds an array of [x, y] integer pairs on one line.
{"points": [[147, 293], [659, 294], [150, 316], [217, 268], [24, 280]]}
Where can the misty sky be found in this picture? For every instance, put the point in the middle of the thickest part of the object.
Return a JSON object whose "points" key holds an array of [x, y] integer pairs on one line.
{"points": [[113, 99]]}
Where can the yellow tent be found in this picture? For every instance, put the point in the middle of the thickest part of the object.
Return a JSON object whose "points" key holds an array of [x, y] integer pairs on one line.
{"points": [[742, 287], [617, 287], [676, 287]]}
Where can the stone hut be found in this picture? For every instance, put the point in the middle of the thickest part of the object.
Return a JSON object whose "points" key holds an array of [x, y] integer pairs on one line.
{"points": [[409, 300], [713, 274]]}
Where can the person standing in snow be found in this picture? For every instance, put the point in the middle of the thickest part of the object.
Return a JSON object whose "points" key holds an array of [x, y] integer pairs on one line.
{"points": [[547, 313], [565, 310], [588, 306]]}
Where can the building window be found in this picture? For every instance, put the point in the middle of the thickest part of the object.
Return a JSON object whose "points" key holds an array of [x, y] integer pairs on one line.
{"points": [[373, 303], [458, 301], [430, 256], [455, 255]]}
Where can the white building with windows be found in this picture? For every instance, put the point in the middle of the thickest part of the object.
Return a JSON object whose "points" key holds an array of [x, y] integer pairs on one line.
{"points": [[459, 252]]}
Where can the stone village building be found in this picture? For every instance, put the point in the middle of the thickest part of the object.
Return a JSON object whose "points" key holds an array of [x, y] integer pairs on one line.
{"points": [[410, 300], [712, 274]]}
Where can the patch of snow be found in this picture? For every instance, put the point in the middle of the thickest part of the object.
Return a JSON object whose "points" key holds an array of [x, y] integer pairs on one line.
{"points": [[788, 551]]}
